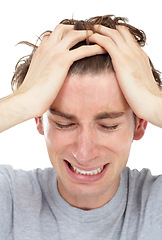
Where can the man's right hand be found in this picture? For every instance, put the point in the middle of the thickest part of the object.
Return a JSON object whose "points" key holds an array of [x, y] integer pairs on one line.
{"points": [[50, 65], [46, 74]]}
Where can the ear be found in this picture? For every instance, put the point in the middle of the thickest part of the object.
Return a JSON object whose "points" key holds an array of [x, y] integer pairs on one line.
{"points": [[39, 124], [140, 128]]}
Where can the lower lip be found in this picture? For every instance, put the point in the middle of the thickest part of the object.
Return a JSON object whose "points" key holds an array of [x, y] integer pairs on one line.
{"points": [[85, 178]]}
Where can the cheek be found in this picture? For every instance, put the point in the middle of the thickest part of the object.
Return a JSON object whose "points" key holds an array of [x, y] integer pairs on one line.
{"points": [[124, 137], [124, 145], [57, 141], [120, 142], [54, 144], [118, 151]]}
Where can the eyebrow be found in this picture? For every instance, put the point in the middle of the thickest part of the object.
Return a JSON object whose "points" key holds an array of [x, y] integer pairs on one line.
{"points": [[111, 115], [61, 114], [100, 116]]}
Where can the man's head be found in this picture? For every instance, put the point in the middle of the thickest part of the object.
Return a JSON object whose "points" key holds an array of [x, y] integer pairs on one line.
{"points": [[90, 127]]}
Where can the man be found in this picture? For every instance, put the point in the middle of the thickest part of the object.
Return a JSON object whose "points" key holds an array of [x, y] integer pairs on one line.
{"points": [[91, 89]]}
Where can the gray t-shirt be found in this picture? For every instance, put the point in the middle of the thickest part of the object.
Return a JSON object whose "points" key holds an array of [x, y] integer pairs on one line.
{"points": [[32, 208]]}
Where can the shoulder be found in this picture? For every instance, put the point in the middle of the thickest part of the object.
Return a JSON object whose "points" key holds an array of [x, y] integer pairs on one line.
{"points": [[143, 178], [27, 180], [144, 188], [144, 201]]}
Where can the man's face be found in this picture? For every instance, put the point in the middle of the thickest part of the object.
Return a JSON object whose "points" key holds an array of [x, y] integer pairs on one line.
{"points": [[88, 131]]}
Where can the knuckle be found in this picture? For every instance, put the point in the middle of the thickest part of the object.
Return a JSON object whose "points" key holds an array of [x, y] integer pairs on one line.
{"points": [[46, 34], [94, 36], [58, 27], [73, 34], [122, 28], [77, 34], [63, 27], [115, 33], [119, 26]]}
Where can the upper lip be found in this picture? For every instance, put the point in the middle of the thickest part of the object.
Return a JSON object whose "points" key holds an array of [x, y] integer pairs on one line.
{"points": [[86, 169]]}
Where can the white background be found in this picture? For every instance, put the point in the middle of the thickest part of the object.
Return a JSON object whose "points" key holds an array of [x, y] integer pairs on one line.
{"points": [[22, 146]]}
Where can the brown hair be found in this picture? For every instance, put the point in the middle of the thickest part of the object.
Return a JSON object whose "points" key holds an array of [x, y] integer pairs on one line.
{"points": [[94, 64]]}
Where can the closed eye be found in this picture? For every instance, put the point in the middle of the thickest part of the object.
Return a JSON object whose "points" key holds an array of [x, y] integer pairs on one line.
{"points": [[109, 127], [64, 126]]}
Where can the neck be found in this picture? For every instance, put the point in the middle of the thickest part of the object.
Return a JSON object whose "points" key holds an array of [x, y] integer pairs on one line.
{"points": [[85, 201]]}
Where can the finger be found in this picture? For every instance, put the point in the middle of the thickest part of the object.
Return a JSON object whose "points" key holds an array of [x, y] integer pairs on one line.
{"points": [[44, 37], [47, 33], [127, 36], [132, 43], [85, 51], [59, 32], [75, 36], [114, 34], [105, 42]]}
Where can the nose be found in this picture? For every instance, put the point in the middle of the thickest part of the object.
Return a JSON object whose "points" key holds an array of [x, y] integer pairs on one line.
{"points": [[86, 148]]}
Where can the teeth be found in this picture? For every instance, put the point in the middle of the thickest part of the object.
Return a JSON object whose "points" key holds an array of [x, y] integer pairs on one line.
{"points": [[89, 173]]}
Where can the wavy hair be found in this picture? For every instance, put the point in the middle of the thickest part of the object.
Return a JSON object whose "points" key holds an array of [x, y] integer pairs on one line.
{"points": [[93, 64]]}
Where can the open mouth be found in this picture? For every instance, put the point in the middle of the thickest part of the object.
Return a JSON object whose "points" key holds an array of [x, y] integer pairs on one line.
{"points": [[86, 173]]}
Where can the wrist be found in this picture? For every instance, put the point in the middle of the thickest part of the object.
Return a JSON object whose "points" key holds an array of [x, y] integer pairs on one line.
{"points": [[13, 110]]}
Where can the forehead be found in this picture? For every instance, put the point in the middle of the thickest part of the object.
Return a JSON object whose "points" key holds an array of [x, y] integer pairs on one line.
{"points": [[90, 92]]}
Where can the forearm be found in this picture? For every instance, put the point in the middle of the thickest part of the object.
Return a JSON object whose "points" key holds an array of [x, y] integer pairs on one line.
{"points": [[149, 108], [12, 111]]}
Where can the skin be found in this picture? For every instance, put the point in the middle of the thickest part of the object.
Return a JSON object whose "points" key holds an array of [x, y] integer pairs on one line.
{"points": [[93, 140], [87, 144]]}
